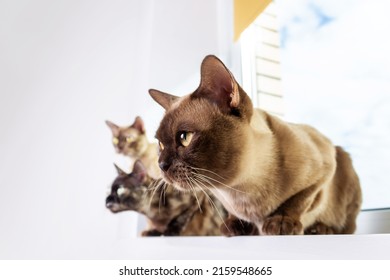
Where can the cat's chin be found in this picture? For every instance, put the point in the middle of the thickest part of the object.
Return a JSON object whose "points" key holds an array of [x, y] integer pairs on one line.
{"points": [[180, 187], [113, 208], [116, 207]]}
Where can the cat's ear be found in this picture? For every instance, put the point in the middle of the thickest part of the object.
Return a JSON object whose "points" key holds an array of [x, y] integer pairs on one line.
{"points": [[114, 128], [218, 84], [164, 99], [139, 171], [139, 124], [119, 170]]}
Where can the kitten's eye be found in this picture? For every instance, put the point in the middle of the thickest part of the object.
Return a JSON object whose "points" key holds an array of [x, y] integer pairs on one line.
{"points": [[130, 139], [121, 190], [161, 146], [185, 138], [115, 141]]}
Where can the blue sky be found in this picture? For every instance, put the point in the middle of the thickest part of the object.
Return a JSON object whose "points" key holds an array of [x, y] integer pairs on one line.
{"points": [[336, 76]]}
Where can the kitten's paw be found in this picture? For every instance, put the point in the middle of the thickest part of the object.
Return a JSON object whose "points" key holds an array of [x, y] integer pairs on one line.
{"points": [[235, 227], [282, 225], [152, 232], [320, 228]]}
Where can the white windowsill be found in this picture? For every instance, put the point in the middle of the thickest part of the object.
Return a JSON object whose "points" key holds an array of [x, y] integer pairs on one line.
{"points": [[372, 241], [353, 247]]}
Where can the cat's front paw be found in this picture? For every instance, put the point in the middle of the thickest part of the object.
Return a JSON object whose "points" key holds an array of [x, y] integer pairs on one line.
{"points": [[235, 227], [152, 232], [282, 225], [320, 228]]}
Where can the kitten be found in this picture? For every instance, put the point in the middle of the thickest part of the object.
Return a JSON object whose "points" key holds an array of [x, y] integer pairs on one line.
{"points": [[283, 178], [132, 141], [169, 211]]}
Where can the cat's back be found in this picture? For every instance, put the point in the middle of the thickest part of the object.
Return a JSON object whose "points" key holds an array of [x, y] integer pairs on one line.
{"points": [[298, 151], [292, 138]]}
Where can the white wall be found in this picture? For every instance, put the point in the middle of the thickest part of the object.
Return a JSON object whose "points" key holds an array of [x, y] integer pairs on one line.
{"points": [[65, 67]]}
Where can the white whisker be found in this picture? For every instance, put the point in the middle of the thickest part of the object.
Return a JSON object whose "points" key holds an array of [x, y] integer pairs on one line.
{"points": [[209, 179], [232, 208], [162, 196], [154, 192], [192, 188], [154, 184], [206, 170], [212, 203]]}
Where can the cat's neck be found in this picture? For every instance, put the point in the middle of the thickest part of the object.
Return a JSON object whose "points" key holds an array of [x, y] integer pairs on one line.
{"points": [[148, 150], [259, 141], [145, 146], [150, 159]]}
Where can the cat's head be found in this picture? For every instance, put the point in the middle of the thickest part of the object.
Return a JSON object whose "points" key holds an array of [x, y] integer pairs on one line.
{"points": [[128, 190], [200, 136], [130, 140]]}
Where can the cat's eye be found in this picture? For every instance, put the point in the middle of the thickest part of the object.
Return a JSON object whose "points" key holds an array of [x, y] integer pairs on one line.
{"points": [[185, 138], [130, 139], [161, 146], [115, 141], [121, 190]]}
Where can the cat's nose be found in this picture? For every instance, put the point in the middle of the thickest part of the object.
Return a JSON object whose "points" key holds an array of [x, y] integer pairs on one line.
{"points": [[164, 165], [110, 201]]}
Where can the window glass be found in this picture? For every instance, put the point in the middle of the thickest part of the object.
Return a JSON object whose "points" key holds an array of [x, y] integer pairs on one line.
{"points": [[335, 63]]}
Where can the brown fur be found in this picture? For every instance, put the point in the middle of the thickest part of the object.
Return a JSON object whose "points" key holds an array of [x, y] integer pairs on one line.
{"points": [[131, 141], [284, 178], [169, 211]]}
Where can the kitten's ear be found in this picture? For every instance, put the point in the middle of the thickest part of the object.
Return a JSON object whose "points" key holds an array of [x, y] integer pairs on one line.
{"points": [[139, 124], [119, 170], [218, 84], [139, 171], [114, 128], [164, 99]]}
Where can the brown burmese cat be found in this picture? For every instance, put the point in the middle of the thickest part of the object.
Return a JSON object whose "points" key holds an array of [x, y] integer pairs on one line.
{"points": [[169, 212], [283, 178], [131, 141]]}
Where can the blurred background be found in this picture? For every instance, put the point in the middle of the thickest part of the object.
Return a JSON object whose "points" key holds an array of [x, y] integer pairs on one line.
{"points": [[67, 66]]}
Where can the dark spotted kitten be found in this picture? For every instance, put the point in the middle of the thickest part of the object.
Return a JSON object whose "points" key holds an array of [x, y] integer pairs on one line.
{"points": [[131, 141], [284, 178], [169, 211]]}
